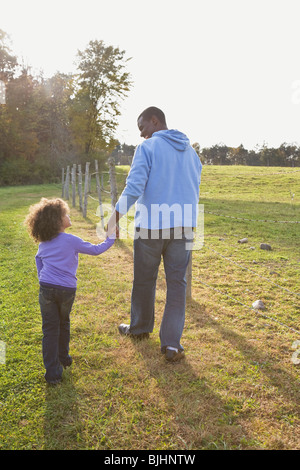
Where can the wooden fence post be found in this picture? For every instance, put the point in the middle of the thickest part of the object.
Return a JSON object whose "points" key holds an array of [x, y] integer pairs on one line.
{"points": [[74, 185], [86, 188], [112, 180], [67, 182], [99, 193], [90, 184], [63, 183], [80, 187]]}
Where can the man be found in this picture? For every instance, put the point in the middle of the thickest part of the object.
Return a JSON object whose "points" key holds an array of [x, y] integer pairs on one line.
{"points": [[164, 183]]}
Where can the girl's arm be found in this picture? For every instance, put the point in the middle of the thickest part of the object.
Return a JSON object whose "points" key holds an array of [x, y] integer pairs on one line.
{"points": [[94, 250]]}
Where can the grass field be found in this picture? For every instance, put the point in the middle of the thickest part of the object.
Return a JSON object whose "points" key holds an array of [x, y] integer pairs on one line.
{"points": [[236, 389]]}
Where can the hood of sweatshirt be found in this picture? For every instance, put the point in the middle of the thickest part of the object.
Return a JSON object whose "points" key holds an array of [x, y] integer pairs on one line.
{"points": [[177, 139]]}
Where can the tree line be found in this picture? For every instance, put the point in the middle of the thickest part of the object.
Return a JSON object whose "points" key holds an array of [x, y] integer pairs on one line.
{"points": [[48, 123], [288, 154]]}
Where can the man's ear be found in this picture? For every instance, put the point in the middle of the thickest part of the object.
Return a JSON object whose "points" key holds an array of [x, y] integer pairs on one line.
{"points": [[154, 120]]}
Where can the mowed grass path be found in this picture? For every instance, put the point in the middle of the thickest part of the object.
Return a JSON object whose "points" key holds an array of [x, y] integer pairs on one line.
{"points": [[237, 387]]}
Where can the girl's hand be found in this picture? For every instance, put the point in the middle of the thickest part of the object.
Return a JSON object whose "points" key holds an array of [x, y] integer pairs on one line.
{"points": [[111, 231]]}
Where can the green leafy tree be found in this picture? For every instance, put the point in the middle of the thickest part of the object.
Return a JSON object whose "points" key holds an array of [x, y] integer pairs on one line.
{"points": [[23, 115], [54, 133], [8, 62], [102, 83], [290, 154], [215, 155], [237, 155]]}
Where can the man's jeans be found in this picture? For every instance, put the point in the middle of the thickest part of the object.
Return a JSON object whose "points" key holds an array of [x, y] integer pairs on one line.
{"points": [[56, 305], [147, 258]]}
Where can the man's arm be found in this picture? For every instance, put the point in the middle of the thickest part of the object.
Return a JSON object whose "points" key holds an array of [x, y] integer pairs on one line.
{"points": [[135, 186]]}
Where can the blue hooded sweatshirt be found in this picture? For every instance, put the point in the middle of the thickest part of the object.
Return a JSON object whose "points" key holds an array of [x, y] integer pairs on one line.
{"points": [[164, 182]]}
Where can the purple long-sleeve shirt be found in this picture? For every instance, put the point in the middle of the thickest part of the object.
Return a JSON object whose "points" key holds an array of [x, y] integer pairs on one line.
{"points": [[57, 259]]}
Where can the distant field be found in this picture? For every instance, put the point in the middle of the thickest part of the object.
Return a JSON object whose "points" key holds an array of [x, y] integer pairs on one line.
{"points": [[237, 388]]}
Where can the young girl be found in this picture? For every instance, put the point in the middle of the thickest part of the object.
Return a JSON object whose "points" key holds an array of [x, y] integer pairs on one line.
{"points": [[57, 263]]}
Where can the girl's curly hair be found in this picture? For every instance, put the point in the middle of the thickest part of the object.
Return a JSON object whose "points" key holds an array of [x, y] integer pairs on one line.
{"points": [[45, 218]]}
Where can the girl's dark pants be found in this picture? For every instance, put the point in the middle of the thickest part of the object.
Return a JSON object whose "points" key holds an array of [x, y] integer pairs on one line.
{"points": [[56, 305]]}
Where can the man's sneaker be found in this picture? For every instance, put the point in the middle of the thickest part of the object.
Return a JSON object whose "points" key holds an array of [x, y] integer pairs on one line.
{"points": [[174, 355], [125, 330], [164, 348]]}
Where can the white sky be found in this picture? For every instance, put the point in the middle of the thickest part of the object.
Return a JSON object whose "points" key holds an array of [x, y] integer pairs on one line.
{"points": [[223, 71]]}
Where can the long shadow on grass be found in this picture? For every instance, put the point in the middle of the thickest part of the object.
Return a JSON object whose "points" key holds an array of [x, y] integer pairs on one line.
{"points": [[268, 365], [195, 412], [61, 420]]}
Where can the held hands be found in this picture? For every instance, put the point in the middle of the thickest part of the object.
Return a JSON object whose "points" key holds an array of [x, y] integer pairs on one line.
{"points": [[112, 228], [111, 231]]}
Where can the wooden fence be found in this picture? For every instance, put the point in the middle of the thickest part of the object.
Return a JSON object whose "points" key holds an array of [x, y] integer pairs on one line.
{"points": [[73, 177]]}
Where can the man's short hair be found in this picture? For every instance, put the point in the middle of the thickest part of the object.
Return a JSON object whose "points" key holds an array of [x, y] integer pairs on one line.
{"points": [[153, 111]]}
